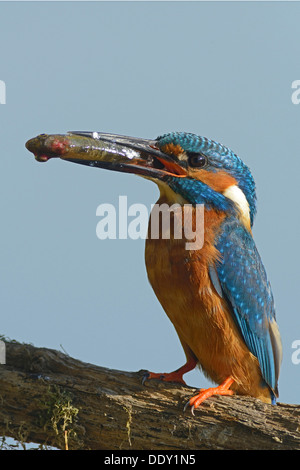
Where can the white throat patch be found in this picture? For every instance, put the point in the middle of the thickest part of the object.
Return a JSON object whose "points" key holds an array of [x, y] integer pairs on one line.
{"points": [[238, 197]]}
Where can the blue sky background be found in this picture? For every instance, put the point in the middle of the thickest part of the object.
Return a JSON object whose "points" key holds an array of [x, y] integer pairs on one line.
{"points": [[222, 70]]}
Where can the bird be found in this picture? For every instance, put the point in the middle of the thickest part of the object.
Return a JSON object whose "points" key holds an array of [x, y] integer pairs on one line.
{"points": [[217, 296]]}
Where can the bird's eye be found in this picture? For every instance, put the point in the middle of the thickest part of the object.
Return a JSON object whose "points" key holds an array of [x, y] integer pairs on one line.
{"points": [[196, 160]]}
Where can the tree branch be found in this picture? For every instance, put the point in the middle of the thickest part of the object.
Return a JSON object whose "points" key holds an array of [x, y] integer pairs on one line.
{"points": [[53, 399]]}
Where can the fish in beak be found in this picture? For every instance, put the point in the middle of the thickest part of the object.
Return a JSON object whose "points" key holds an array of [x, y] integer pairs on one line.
{"points": [[109, 151]]}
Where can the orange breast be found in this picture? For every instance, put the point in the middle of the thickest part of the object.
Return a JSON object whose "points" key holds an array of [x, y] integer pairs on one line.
{"points": [[180, 279]]}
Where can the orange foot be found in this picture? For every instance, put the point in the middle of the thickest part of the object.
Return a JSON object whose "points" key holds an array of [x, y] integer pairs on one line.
{"points": [[175, 376], [222, 389]]}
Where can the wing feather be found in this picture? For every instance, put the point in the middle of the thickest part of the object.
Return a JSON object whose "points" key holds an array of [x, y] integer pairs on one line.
{"points": [[245, 286]]}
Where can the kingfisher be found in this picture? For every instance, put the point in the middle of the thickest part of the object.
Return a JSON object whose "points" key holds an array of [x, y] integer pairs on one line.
{"points": [[217, 296]]}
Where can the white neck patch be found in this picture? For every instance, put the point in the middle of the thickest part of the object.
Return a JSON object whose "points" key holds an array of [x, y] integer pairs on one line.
{"points": [[238, 197]]}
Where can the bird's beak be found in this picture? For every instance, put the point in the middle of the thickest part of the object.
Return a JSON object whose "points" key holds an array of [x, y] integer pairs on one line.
{"points": [[110, 151]]}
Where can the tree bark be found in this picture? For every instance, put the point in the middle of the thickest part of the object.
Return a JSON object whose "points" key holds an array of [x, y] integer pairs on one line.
{"points": [[50, 398]]}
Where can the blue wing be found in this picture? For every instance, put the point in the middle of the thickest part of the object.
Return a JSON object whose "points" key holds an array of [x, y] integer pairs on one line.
{"points": [[243, 282]]}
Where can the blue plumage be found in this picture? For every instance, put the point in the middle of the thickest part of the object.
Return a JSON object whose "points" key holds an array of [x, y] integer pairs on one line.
{"points": [[219, 157], [197, 192], [244, 282]]}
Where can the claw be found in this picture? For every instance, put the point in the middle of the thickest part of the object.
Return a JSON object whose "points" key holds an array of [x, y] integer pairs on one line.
{"points": [[203, 394], [186, 405], [145, 377], [192, 407]]}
